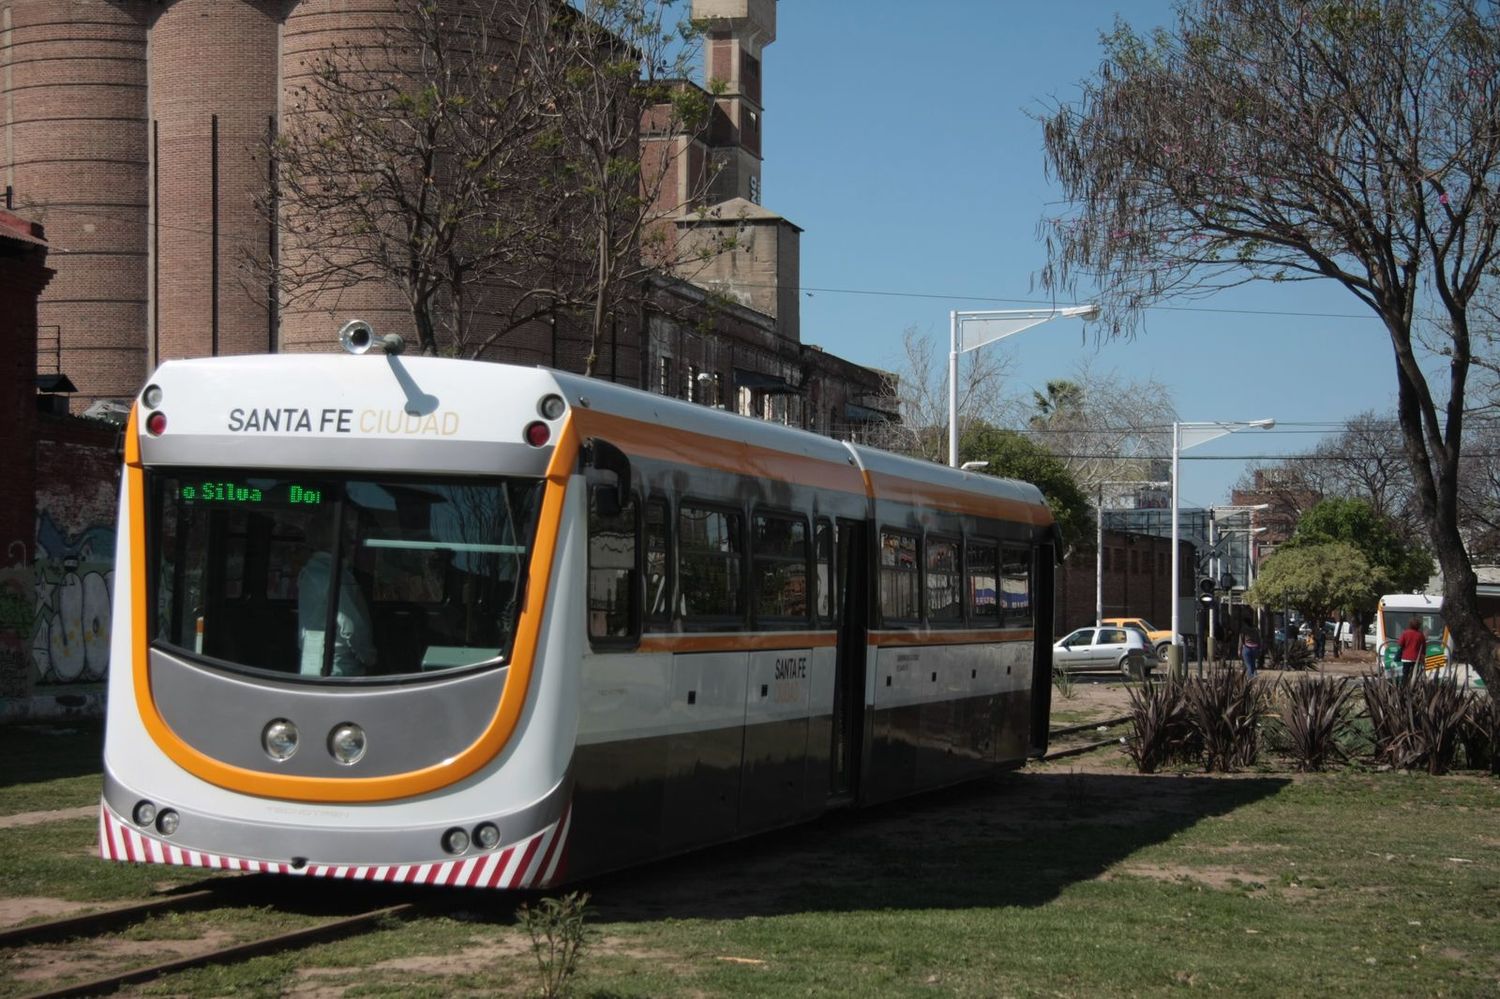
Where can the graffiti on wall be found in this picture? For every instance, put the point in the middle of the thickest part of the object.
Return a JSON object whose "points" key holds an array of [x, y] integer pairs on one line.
{"points": [[74, 580], [55, 611]]}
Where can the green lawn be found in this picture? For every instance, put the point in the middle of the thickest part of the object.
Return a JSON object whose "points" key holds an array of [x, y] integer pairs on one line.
{"points": [[1050, 881]]}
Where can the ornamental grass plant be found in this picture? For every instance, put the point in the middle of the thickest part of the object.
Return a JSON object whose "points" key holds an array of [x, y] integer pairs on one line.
{"points": [[1316, 719]]}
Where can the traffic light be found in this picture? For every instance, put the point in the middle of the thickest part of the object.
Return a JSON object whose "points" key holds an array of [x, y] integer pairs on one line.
{"points": [[1205, 590]]}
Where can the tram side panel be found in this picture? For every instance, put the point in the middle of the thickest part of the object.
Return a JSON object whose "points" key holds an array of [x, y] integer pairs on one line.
{"points": [[705, 749], [777, 746]]}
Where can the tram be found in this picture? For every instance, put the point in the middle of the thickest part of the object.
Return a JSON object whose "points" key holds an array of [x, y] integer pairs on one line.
{"points": [[463, 623]]}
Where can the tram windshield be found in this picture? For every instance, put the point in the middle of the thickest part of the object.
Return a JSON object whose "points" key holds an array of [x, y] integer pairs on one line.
{"points": [[325, 576]]}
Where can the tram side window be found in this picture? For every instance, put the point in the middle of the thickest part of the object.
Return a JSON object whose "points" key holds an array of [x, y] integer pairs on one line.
{"points": [[984, 585], [658, 568], [898, 577], [778, 549], [612, 562], [823, 571], [944, 604], [1015, 588], [710, 548]]}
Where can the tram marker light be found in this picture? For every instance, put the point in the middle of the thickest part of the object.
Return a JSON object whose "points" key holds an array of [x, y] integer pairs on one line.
{"points": [[152, 396], [538, 433], [455, 840], [552, 407], [156, 423]]}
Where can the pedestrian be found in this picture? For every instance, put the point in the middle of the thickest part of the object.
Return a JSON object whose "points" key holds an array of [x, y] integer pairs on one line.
{"points": [[1250, 651], [1411, 648], [1319, 637]]}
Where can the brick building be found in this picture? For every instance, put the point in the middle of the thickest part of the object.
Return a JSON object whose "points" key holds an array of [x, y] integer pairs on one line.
{"points": [[1137, 574], [23, 276], [136, 131], [57, 497]]}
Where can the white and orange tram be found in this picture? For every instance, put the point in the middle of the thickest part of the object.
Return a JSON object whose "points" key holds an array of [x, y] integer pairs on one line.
{"points": [[462, 623]]}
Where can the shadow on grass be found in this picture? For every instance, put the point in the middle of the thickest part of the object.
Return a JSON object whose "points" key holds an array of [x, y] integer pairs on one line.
{"points": [[36, 753], [1015, 841]]}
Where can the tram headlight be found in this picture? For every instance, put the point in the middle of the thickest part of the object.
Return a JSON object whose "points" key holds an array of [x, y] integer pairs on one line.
{"points": [[455, 840], [347, 743], [166, 822], [551, 407], [486, 835], [279, 739], [144, 813]]}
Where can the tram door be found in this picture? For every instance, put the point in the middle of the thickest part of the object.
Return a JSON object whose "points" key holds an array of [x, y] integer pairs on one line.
{"points": [[851, 590]]}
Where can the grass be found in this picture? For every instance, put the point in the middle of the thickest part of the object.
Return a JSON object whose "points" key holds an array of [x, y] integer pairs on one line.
{"points": [[1050, 881], [49, 767]]}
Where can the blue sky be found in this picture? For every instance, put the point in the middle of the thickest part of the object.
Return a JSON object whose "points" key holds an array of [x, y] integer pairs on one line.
{"points": [[897, 135]]}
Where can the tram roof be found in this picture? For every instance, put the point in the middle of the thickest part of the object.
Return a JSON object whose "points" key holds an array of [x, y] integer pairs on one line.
{"points": [[274, 380], [635, 404]]}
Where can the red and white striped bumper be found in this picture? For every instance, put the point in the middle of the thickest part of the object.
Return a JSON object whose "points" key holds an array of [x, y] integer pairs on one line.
{"points": [[534, 862]]}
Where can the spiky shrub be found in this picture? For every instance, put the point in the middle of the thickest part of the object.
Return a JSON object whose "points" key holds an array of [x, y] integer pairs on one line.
{"points": [[1315, 720], [1481, 733], [1160, 732], [1295, 656], [1416, 725], [1388, 709], [1441, 712], [1224, 709], [557, 933]]}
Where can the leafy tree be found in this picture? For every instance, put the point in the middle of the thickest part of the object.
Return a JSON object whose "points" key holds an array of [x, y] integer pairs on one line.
{"points": [[1394, 565], [1399, 566], [1354, 141], [1318, 580], [1012, 456]]}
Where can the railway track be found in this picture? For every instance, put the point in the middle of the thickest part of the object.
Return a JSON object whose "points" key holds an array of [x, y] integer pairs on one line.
{"points": [[1075, 739], [221, 895]]}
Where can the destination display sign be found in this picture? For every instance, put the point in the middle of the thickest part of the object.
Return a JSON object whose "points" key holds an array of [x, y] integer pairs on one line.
{"points": [[226, 491]]}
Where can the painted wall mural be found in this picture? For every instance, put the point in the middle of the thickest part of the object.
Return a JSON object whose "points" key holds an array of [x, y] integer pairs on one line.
{"points": [[56, 587], [74, 580]]}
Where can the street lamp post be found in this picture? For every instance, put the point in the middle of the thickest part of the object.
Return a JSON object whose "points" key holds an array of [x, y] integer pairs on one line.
{"points": [[1184, 436], [987, 327]]}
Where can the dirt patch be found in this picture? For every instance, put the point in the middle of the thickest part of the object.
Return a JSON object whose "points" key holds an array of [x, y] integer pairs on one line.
{"points": [[95, 958], [57, 815], [1218, 878], [18, 910]]}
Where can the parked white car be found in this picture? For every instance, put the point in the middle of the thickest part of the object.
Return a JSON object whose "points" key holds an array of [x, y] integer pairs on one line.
{"points": [[1109, 649]]}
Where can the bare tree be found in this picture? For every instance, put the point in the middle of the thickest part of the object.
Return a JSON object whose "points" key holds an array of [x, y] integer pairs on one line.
{"points": [[1104, 428], [622, 120], [920, 389], [408, 159], [1281, 140]]}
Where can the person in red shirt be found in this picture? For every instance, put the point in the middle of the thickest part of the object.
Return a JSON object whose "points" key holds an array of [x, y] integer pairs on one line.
{"points": [[1411, 647]]}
